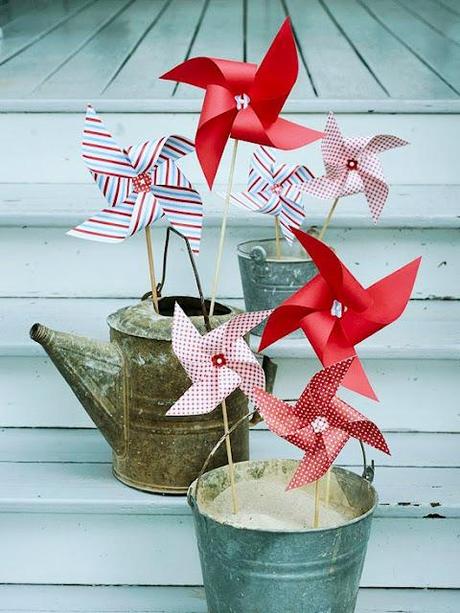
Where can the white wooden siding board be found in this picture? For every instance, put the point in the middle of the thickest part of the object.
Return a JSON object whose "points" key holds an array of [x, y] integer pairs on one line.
{"points": [[437, 16], [63, 206], [220, 35], [414, 394], [31, 26], [402, 74], [90, 488], [53, 143], [263, 22], [177, 599], [24, 72], [409, 449], [31, 255], [441, 54], [164, 46], [99, 60], [332, 61]]}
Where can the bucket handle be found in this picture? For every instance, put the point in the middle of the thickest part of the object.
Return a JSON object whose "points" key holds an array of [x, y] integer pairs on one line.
{"points": [[195, 273], [367, 474]]}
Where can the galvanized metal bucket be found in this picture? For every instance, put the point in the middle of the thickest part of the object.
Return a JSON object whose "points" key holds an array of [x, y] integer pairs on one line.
{"points": [[281, 571], [268, 279]]}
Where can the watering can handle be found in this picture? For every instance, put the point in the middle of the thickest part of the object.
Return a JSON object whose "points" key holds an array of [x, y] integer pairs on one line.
{"points": [[367, 474]]}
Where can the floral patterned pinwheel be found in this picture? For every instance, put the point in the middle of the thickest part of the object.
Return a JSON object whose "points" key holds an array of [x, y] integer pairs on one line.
{"points": [[141, 184], [268, 185], [319, 423], [217, 363], [352, 166]]}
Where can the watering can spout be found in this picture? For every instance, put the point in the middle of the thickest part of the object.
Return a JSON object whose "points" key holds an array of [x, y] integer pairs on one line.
{"points": [[94, 371]]}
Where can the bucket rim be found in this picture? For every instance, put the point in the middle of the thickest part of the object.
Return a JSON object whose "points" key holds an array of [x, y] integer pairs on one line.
{"points": [[291, 260], [192, 501]]}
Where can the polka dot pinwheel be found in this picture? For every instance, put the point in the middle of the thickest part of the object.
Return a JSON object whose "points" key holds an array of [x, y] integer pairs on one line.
{"points": [[319, 423]]}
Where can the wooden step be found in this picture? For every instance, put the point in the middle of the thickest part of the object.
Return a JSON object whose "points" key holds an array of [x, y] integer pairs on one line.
{"points": [[131, 599], [90, 524]]}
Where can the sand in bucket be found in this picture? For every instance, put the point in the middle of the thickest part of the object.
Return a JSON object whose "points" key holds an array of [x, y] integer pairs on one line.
{"points": [[266, 505]]}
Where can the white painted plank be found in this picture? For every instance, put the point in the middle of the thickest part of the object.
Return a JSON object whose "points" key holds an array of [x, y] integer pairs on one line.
{"points": [[402, 74], [102, 57], [53, 142], [436, 16], [35, 395], [164, 46], [162, 599], [333, 62], [430, 449], [219, 34], [33, 271], [64, 206], [29, 27], [263, 21], [441, 54], [24, 72]]}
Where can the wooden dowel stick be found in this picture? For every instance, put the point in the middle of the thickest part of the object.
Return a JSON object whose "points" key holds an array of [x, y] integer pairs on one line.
{"points": [[277, 238], [328, 487], [231, 468], [220, 251], [153, 281], [316, 515], [328, 219]]}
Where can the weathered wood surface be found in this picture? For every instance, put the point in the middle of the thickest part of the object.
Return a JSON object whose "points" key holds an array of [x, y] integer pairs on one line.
{"points": [[121, 47], [130, 599]]}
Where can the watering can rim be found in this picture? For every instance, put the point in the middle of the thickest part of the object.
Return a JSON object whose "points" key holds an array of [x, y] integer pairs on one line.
{"points": [[303, 258], [153, 327], [191, 499]]}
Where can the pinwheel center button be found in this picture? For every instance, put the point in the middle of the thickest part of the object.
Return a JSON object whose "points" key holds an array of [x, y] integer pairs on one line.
{"points": [[337, 309], [352, 164], [142, 182], [218, 360], [242, 101], [276, 188], [320, 424]]}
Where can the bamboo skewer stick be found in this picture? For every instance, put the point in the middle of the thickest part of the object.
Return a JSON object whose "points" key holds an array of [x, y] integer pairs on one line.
{"points": [[328, 219], [153, 281], [328, 487], [220, 252], [231, 468], [277, 238], [316, 514]]}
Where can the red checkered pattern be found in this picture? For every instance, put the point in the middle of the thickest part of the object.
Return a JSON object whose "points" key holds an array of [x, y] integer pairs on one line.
{"points": [[217, 363], [352, 166], [320, 423]]}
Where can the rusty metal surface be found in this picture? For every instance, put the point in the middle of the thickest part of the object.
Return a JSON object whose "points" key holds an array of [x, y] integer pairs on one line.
{"points": [[127, 385]]}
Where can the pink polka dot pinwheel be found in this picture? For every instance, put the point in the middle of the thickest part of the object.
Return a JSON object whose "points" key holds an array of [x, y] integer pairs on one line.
{"points": [[268, 185], [217, 363], [319, 423], [141, 184], [352, 166]]}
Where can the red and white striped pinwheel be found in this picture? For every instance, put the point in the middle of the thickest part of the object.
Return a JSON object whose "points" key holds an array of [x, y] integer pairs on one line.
{"points": [[243, 101], [336, 312], [141, 184], [319, 423], [268, 185], [352, 166], [217, 363]]}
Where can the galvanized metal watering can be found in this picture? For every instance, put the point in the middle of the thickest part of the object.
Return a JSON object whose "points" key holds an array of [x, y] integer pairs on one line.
{"points": [[128, 384], [281, 570]]}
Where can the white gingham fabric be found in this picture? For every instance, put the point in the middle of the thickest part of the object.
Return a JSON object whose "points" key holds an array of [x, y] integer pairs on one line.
{"points": [[268, 186], [352, 166], [320, 423], [217, 363]]}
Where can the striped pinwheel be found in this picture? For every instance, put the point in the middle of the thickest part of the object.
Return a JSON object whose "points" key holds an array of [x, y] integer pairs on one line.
{"points": [[141, 183], [268, 185]]}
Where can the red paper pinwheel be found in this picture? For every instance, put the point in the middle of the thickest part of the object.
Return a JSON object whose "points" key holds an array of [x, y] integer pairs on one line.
{"points": [[335, 312], [217, 363], [244, 101], [352, 166], [319, 423]]}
